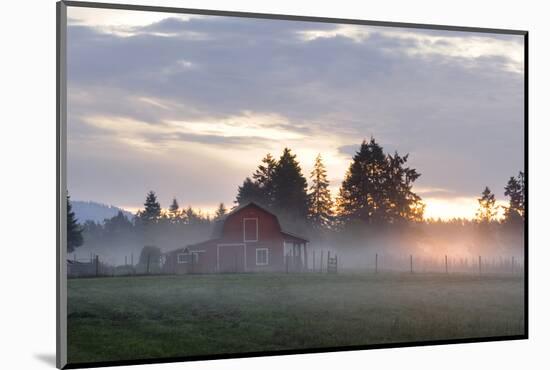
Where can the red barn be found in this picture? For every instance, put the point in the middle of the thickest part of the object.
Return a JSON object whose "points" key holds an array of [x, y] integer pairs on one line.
{"points": [[248, 239]]}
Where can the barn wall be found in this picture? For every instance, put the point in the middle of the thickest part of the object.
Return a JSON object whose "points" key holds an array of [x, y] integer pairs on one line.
{"points": [[268, 226], [276, 262], [206, 262]]}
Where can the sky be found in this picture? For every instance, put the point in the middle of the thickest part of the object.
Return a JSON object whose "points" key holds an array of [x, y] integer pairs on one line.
{"points": [[188, 105]]}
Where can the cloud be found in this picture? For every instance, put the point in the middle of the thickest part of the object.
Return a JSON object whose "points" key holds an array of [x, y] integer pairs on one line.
{"points": [[235, 88], [121, 23], [349, 150], [247, 129], [468, 46]]}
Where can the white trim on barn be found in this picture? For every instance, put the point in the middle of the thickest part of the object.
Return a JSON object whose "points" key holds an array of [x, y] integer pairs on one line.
{"points": [[244, 229], [266, 250], [196, 255], [181, 260]]}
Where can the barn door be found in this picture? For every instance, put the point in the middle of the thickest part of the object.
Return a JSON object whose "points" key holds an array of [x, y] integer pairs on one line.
{"points": [[231, 258]]}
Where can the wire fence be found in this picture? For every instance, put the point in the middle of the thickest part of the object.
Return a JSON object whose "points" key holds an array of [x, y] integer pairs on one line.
{"points": [[318, 261]]}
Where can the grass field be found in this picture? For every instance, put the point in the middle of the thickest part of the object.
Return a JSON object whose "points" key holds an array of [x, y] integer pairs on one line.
{"points": [[124, 318]]}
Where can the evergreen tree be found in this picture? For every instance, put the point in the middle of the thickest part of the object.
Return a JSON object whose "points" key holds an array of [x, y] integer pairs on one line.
{"points": [[249, 191], [514, 190], [192, 217], [174, 211], [487, 207], [521, 180], [377, 189], [259, 189], [263, 178], [118, 226], [320, 201], [402, 204], [152, 212], [290, 187], [74, 231], [92, 230], [220, 212], [362, 194]]}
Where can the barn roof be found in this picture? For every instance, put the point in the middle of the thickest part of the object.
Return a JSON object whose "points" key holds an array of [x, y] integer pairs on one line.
{"points": [[242, 206], [289, 237], [191, 247], [218, 226]]}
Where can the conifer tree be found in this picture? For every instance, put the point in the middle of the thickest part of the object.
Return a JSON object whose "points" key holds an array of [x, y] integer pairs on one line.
{"points": [[152, 212], [320, 200], [402, 204], [487, 207], [377, 189], [74, 231], [220, 212], [514, 190], [290, 187], [174, 211], [362, 194], [249, 191], [192, 217], [263, 178], [117, 225]]}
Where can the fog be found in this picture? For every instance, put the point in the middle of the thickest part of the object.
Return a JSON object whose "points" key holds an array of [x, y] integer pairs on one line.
{"points": [[122, 245], [458, 246], [455, 246]]}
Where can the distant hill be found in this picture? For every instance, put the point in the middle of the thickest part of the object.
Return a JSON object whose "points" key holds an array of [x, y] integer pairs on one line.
{"points": [[96, 211]]}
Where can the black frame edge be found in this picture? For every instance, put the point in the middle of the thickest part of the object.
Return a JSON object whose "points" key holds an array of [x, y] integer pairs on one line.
{"points": [[526, 171], [226, 356]]}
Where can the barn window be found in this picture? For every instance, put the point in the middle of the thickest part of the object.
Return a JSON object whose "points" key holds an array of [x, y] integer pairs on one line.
{"points": [[250, 229], [262, 257], [183, 257]]}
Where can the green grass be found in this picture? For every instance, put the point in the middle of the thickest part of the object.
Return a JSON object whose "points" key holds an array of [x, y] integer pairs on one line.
{"points": [[125, 318]]}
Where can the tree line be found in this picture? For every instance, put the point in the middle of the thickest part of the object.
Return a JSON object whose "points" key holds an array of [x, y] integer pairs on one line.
{"points": [[377, 191], [514, 213], [151, 225]]}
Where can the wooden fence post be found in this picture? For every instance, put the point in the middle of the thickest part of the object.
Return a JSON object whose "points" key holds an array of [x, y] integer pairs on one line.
{"points": [[479, 263], [446, 265], [305, 258], [411, 257], [286, 263], [321, 265], [313, 253], [96, 265]]}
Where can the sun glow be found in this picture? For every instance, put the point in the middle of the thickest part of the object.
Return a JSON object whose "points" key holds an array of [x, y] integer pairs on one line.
{"points": [[436, 208], [460, 207]]}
